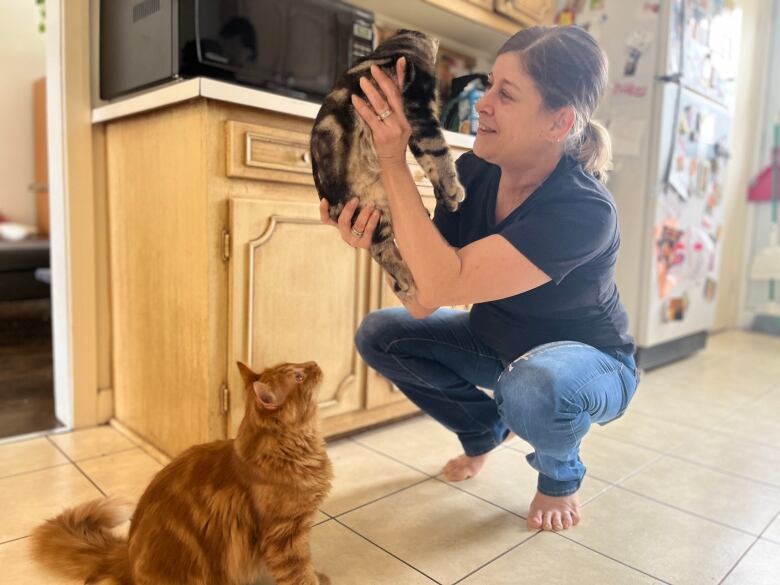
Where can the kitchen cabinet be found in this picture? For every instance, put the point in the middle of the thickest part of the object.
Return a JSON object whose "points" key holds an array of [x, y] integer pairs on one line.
{"points": [[218, 255]]}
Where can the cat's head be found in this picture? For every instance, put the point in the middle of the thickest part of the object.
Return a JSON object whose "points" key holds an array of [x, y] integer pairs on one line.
{"points": [[418, 48], [286, 392]]}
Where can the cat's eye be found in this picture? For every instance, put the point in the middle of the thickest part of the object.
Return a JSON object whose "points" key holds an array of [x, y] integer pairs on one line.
{"points": [[298, 377]]}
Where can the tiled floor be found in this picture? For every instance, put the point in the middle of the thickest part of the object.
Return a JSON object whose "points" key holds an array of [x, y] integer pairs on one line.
{"points": [[684, 489]]}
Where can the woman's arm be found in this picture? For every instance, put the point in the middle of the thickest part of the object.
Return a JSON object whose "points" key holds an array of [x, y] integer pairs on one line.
{"points": [[369, 218], [488, 269]]}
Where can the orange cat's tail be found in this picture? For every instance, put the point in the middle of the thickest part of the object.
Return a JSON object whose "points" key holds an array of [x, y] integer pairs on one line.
{"points": [[79, 543]]}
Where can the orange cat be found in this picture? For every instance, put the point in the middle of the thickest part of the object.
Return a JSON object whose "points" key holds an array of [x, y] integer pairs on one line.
{"points": [[219, 511]]}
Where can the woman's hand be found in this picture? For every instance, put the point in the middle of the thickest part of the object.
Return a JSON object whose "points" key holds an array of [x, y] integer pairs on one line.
{"points": [[385, 115], [361, 233]]}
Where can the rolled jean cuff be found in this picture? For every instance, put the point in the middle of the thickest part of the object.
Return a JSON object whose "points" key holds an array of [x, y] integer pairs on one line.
{"points": [[475, 445], [555, 488]]}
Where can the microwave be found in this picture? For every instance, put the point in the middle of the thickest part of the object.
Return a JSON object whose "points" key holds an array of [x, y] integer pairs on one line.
{"points": [[294, 47]]}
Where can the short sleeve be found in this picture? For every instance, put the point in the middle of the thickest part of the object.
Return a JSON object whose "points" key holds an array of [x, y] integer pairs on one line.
{"points": [[564, 235], [448, 224]]}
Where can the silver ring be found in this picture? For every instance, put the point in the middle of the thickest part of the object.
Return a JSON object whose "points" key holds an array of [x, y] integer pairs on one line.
{"points": [[356, 233], [384, 114]]}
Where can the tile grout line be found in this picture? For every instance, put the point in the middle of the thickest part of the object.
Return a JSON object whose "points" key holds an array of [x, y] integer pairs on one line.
{"points": [[29, 471], [76, 465], [375, 500], [606, 556], [491, 561], [724, 471], [386, 551], [14, 539], [689, 512], [748, 549]]}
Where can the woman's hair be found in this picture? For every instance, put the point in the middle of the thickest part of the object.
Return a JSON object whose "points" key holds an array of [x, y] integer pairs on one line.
{"points": [[569, 69]]}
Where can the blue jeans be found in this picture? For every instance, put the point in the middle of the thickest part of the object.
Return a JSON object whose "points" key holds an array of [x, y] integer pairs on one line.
{"points": [[548, 396]]}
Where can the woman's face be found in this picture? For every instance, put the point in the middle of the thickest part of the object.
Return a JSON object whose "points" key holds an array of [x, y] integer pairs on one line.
{"points": [[513, 124]]}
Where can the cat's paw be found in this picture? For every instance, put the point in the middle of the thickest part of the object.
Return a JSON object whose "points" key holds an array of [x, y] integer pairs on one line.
{"points": [[451, 199], [323, 579]]}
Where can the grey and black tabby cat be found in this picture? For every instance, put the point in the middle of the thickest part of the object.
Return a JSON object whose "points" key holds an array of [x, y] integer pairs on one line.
{"points": [[344, 162]]}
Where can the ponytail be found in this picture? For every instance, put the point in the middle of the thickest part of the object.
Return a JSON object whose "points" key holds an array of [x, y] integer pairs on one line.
{"points": [[593, 149]]}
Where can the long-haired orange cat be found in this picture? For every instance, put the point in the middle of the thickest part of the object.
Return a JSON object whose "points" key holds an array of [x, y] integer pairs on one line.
{"points": [[219, 511]]}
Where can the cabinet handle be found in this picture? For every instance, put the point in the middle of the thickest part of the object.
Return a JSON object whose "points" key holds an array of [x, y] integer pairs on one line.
{"points": [[306, 157]]}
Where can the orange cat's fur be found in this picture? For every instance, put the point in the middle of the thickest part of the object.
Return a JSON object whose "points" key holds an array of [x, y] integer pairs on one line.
{"points": [[219, 511]]}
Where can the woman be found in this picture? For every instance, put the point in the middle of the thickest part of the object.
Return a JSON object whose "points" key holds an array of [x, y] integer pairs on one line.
{"points": [[533, 248]]}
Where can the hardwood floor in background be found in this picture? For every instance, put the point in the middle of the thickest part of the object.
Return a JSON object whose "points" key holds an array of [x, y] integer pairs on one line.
{"points": [[26, 383]]}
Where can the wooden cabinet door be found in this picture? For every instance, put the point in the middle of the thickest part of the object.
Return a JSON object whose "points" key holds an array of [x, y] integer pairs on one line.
{"points": [[527, 12], [297, 293]]}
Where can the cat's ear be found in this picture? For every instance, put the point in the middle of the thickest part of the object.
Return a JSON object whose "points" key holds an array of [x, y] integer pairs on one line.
{"points": [[266, 397], [246, 373], [409, 74]]}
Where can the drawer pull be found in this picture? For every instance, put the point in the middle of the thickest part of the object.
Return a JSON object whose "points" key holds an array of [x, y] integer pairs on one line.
{"points": [[306, 157]]}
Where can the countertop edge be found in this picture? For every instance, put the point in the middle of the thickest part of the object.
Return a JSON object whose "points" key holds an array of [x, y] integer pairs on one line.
{"points": [[227, 92]]}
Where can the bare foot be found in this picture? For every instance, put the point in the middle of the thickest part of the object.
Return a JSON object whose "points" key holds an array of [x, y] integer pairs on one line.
{"points": [[553, 513], [463, 467]]}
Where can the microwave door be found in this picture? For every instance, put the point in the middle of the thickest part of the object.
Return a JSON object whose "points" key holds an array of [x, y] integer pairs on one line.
{"points": [[311, 48], [243, 40]]}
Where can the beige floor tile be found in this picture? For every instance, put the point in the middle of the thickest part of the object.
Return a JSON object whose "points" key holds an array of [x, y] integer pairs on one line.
{"points": [[734, 455], [667, 543], [757, 421], [27, 500], [125, 474], [28, 455], [553, 560], [646, 431], [760, 566], [91, 442], [440, 530], [509, 482], [349, 559], [420, 442], [773, 531], [362, 475], [19, 568], [319, 517], [675, 404], [611, 460], [732, 500]]}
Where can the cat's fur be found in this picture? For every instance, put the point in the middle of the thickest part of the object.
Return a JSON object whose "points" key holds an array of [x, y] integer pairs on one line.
{"points": [[344, 161], [219, 511]]}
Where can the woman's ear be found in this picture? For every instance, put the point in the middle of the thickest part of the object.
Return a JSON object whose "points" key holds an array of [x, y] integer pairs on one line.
{"points": [[562, 122]]}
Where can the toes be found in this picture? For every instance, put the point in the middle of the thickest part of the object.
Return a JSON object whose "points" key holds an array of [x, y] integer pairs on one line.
{"points": [[547, 521], [556, 521], [535, 520], [567, 520], [575, 518]]}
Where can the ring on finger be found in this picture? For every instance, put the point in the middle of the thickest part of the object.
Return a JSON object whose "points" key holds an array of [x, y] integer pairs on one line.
{"points": [[356, 232], [386, 114]]}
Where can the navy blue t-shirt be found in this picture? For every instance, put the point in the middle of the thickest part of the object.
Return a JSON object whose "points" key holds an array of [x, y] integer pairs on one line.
{"points": [[568, 228]]}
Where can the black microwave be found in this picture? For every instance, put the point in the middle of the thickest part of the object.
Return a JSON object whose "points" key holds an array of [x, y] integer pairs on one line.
{"points": [[295, 47]]}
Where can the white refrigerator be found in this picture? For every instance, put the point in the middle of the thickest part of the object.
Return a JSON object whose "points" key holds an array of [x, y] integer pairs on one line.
{"points": [[668, 108]]}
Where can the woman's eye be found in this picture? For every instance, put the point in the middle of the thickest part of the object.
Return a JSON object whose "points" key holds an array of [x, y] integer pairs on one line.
{"points": [[504, 95], [298, 377]]}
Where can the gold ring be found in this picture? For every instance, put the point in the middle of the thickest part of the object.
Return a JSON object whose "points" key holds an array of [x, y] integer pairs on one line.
{"points": [[384, 114], [356, 233]]}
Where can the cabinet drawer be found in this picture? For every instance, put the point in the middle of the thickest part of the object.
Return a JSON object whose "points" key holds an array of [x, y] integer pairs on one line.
{"points": [[528, 12], [270, 154], [487, 4]]}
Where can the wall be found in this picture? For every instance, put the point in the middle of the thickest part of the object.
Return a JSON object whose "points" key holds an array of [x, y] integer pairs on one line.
{"points": [[22, 61], [759, 214]]}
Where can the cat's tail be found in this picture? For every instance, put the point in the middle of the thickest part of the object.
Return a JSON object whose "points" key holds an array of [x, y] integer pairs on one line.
{"points": [[79, 543]]}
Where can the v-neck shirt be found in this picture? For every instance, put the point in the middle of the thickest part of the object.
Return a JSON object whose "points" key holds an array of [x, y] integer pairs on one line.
{"points": [[568, 228]]}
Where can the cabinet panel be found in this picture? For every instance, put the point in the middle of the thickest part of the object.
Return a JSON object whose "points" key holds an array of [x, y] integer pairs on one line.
{"points": [[297, 293]]}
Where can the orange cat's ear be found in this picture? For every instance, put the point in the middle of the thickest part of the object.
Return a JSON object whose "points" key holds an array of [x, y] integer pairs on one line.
{"points": [[266, 397], [246, 373]]}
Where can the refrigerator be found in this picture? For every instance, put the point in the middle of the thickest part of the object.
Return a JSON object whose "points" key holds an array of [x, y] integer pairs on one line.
{"points": [[668, 107]]}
